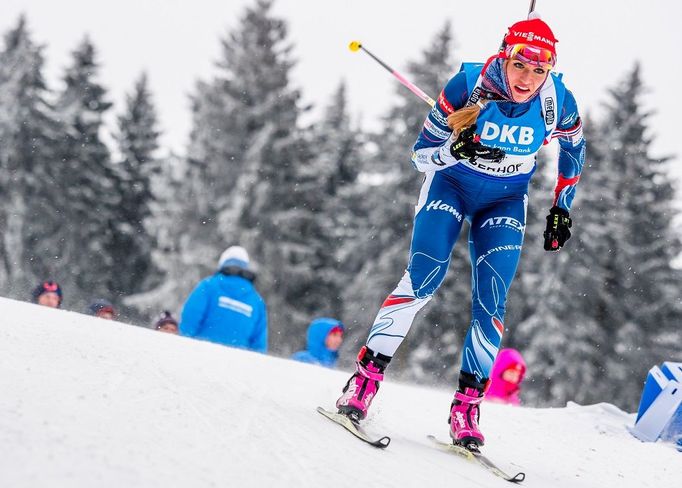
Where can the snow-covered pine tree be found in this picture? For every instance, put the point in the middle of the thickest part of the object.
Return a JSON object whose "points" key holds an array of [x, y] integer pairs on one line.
{"points": [[87, 210], [199, 201], [131, 245], [322, 220], [648, 297], [28, 131], [173, 254]]}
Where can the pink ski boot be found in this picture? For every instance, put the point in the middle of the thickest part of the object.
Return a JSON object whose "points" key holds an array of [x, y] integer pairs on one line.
{"points": [[464, 412], [363, 386]]}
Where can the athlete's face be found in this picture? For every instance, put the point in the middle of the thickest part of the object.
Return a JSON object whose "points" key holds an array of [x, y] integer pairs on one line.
{"points": [[524, 79]]}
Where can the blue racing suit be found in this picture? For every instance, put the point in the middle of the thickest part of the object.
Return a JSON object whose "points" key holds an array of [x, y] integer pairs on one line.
{"points": [[492, 197]]}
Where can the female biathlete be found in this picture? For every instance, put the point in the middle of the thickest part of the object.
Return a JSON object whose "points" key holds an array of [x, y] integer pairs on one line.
{"points": [[478, 150]]}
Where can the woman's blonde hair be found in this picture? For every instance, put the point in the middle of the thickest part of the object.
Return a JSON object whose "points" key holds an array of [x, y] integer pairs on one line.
{"points": [[465, 117]]}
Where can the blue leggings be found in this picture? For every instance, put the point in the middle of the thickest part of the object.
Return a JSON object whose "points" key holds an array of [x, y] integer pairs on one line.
{"points": [[496, 210]]}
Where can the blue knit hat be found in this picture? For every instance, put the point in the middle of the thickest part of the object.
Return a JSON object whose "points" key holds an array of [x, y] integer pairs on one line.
{"points": [[99, 306]]}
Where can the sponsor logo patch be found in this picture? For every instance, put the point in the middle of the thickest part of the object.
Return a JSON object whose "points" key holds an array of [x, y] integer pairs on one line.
{"points": [[509, 247], [496, 168], [436, 131], [549, 110], [512, 134], [503, 222], [444, 104], [531, 36], [475, 96], [235, 305], [439, 205]]}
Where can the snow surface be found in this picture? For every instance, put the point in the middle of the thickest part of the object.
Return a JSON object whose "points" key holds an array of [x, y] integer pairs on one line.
{"points": [[86, 402]]}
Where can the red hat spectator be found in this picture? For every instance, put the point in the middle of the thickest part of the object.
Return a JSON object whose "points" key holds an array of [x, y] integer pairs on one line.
{"points": [[103, 309], [48, 293]]}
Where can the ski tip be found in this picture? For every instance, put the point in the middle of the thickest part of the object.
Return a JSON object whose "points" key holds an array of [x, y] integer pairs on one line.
{"points": [[325, 412], [518, 478], [383, 442], [354, 428]]}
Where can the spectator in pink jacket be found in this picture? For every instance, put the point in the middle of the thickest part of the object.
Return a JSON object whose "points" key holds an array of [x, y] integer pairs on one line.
{"points": [[506, 377]]}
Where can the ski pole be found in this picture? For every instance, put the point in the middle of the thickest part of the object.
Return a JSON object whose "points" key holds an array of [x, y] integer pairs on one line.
{"points": [[356, 46], [532, 8]]}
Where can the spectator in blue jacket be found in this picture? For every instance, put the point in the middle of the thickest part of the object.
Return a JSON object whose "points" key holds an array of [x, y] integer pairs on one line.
{"points": [[226, 308], [325, 336]]}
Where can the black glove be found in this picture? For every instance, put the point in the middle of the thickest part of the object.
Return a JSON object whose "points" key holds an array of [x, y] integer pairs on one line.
{"points": [[468, 146], [557, 231]]}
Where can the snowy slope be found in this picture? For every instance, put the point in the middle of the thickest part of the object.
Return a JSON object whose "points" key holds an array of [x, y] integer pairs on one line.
{"points": [[86, 402]]}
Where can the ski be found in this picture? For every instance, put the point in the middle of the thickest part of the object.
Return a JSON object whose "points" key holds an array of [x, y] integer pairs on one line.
{"points": [[475, 456], [354, 428]]}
